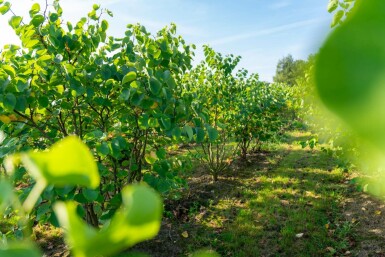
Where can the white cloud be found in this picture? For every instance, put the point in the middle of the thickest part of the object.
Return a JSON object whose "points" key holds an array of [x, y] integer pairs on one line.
{"points": [[279, 5], [263, 32]]}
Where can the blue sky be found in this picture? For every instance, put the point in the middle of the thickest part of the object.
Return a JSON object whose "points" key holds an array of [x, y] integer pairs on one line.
{"points": [[261, 31]]}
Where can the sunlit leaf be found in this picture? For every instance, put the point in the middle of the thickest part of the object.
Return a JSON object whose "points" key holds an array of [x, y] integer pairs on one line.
{"points": [[19, 249], [337, 18], [5, 8], [137, 220], [5, 119], [129, 77], [9, 70], [333, 4], [350, 71], [15, 21], [34, 9], [68, 162]]}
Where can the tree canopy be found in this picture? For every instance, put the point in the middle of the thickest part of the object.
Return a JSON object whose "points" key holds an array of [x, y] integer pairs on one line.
{"points": [[288, 70]]}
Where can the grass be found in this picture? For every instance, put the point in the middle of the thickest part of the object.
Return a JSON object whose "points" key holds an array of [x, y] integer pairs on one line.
{"points": [[285, 201], [289, 206]]}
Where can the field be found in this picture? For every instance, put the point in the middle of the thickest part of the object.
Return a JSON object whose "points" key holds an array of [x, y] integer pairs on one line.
{"points": [[285, 201], [146, 144]]}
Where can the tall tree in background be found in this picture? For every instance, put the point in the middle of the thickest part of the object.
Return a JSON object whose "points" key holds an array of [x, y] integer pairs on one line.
{"points": [[288, 70]]}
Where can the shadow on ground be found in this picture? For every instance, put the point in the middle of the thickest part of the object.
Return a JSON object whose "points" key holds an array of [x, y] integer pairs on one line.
{"points": [[285, 203]]}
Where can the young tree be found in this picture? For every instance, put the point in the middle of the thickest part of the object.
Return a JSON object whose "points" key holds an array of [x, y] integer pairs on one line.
{"points": [[119, 95], [213, 87]]}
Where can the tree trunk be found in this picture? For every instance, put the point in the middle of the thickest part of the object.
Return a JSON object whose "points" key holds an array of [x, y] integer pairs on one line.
{"points": [[91, 217], [215, 176]]}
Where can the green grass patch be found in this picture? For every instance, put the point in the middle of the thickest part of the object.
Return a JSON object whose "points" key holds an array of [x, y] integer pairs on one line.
{"points": [[291, 209]]}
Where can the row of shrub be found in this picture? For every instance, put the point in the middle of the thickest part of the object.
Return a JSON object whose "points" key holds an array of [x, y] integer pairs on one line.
{"points": [[131, 100]]}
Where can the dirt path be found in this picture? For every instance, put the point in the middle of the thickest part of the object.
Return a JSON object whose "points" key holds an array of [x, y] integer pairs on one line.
{"points": [[367, 216]]}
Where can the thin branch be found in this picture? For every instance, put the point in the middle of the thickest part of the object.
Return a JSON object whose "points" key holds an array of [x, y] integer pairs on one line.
{"points": [[33, 124]]}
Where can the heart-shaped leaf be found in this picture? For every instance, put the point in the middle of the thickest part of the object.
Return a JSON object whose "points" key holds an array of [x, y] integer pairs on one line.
{"points": [[138, 219], [129, 77], [68, 162]]}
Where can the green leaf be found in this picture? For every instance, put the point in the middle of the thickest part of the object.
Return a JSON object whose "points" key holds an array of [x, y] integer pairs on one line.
{"points": [[171, 83], [6, 195], [145, 210], [96, 7], [103, 148], [143, 121], [153, 123], [68, 162], [188, 130], [19, 249], [125, 95], [43, 101], [37, 20], [333, 5], [15, 21], [176, 133], [137, 220], [31, 43], [129, 77], [161, 153], [79, 234], [92, 15], [350, 71], [44, 58], [213, 134], [106, 72], [104, 25], [34, 9], [90, 194], [69, 26], [200, 135], [151, 158], [166, 122], [42, 210], [155, 86], [21, 104], [337, 18], [53, 17], [5, 8], [9, 102], [9, 70], [80, 198]]}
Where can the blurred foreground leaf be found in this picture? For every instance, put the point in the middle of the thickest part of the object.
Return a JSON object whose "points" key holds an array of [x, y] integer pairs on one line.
{"points": [[138, 219], [350, 71], [6, 195], [19, 249], [68, 162]]}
